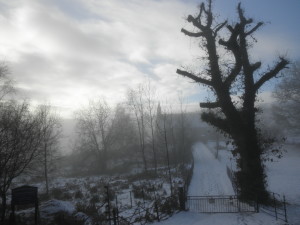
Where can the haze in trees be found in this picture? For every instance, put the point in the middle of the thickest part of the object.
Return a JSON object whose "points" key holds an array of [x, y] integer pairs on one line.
{"points": [[222, 76], [287, 93], [50, 136]]}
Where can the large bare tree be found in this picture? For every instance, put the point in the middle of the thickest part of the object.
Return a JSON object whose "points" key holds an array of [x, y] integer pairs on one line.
{"points": [[237, 120], [20, 138]]}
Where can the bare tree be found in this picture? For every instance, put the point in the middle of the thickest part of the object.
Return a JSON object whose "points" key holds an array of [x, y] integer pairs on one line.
{"points": [[221, 76], [50, 135], [287, 93], [150, 103], [136, 102], [94, 124], [124, 135], [6, 84], [20, 139], [182, 127], [163, 132]]}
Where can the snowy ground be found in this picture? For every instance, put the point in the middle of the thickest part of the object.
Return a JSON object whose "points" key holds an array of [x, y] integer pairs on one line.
{"points": [[210, 178], [212, 181]]}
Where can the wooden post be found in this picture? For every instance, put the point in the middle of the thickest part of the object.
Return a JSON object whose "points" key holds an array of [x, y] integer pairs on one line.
{"points": [[257, 205], [143, 194], [130, 199], [284, 206], [115, 216], [181, 199], [108, 204], [275, 206]]}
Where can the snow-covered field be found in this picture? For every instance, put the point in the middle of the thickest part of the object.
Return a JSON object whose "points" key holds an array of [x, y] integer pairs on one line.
{"points": [[210, 178]]}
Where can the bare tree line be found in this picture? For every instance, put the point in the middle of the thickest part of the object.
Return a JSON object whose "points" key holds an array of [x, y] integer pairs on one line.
{"points": [[137, 133]]}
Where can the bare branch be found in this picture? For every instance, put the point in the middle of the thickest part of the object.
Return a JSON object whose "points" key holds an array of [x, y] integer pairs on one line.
{"points": [[191, 34], [254, 28], [219, 27], [195, 22], [194, 77], [272, 73], [209, 15], [256, 66], [215, 121], [210, 105]]}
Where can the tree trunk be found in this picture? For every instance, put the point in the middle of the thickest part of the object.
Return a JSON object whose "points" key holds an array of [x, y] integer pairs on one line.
{"points": [[153, 144], [3, 211], [251, 177], [167, 151], [46, 169]]}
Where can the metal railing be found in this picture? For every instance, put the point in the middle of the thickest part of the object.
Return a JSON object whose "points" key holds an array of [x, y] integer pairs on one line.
{"points": [[219, 204]]}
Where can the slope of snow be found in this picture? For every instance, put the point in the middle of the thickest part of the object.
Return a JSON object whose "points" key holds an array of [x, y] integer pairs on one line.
{"points": [[284, 174]]}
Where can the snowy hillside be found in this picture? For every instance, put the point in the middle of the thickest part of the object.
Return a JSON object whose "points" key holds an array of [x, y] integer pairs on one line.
{"points": [[210, 178]]}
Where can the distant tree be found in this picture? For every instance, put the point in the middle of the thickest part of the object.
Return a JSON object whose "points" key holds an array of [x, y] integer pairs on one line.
{"points": [[287, 93], [20, 139], [182, 129], [223, 77], [163, 132], [6, 84], [150, 106], [94, 126], [50, 136], [123, 134], [135, 99]]}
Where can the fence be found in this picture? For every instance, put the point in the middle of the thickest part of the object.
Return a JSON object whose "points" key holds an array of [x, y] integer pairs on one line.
{"points": [[277, 208], [219, 204]]}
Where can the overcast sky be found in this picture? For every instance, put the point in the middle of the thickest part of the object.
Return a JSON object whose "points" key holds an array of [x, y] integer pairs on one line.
{"points": [[66, 52]]}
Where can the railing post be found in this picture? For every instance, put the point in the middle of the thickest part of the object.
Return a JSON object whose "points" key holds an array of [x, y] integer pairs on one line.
{"points": [[275, 206], [284, 206]]}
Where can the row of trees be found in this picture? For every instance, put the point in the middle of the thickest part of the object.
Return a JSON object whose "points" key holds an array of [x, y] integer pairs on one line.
{"points": [[28, 138], [138, 133]]}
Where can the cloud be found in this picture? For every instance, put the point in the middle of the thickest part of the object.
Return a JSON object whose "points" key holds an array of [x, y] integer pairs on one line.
{"points": [[67, 54]]}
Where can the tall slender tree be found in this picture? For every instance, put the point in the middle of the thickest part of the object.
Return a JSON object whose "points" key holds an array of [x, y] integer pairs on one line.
{"points": [[50, 135], [136, 101], [236, 120]]}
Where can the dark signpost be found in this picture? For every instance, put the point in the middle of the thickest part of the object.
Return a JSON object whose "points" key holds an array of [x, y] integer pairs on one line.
{"points": [[24, 195]]}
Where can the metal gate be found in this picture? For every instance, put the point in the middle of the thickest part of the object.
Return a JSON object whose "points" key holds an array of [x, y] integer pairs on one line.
{"points": [[219, 204]]}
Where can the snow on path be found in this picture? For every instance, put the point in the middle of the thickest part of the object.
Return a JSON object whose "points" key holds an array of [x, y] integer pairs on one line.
{"points": [[210, 178], [209, 175]]}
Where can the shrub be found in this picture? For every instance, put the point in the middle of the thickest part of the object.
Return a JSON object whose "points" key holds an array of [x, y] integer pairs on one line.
{"points": [[78, 195], [94, 199]]}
